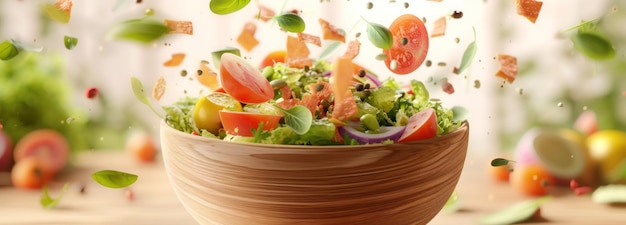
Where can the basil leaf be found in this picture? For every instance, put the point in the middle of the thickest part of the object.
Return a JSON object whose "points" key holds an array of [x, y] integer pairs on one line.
{"points": [[379, 35], [57, 14], [614, 193], [140, 94], [8, 50], [329, 49], [139, 30], [222, 7], [114, 179], [516, 213], [500, 162], [70, 42], [468, 55], [298, 118], [48, 202], [593, 46], [217, 55], [459, 114], [290, 22]]}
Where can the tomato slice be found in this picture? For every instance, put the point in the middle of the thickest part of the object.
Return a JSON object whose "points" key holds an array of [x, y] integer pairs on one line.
{"points": [[410, 44], [243, 81], [242, 123], [422, 125]]}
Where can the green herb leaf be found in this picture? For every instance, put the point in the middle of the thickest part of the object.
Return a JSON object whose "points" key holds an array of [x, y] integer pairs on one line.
{"points": [[140, 94], [290, 22], [459, 113], [468, 55], [610, 194], [519, 212], [217, 55], [70, 42], [114, 179], [585, 25], [298, 118], [379, 35], [8, 50], [420, 91], [593, 45], [57, 14], [223, 7], [139, 30], [452, 205], [259, 134], [48, 202], [381, 57], [500, 162], [328, 49]]}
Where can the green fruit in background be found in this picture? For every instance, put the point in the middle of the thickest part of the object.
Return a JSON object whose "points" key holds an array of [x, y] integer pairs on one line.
{"points": [[608, 149]]}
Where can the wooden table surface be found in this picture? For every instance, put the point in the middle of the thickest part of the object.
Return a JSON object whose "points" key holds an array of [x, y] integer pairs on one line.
{"points": [[155, 203]]}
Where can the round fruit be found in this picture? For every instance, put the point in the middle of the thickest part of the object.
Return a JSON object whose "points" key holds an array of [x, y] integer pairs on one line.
{"points": [[562, 158], [589, 176], [206, 112], [31, 173], [243, 81], [273, 57], [141, 146], [531, 179], [410, 44], [6, 152], [608, 149], [500, 173], [46, 144], [422, 125], [242, 123]]}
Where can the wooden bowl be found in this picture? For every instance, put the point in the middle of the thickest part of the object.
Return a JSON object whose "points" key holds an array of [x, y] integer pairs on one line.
{"points": [[228, 183]]}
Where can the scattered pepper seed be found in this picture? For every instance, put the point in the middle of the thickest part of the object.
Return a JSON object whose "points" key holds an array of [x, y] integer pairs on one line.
{"points": [[406, 5], [366, 86], [139, 1], [359, 87], [199, 72], [82, 189], [424, 19], [404, 41], [183, 73], [319, 87], [457, 14], [429, 63], [457, 40], [149, 12], [442, 64], [381, 57], [476, 84], [560, 104], [370, 5], [520, 91], [361, 73]]}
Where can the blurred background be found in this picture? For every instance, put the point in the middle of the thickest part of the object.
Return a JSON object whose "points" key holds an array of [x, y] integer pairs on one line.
{"points": [[47, 87]]}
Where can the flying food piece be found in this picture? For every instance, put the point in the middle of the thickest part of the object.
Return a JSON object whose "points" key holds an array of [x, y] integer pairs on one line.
{"points": [[330, 32], [311, 39], [529, 9], [246, 38], [159, 88], [508, 67], [440, 28], [179, 27]]}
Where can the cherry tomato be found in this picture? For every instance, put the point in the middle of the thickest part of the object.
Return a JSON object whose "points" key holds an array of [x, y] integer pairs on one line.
{"points": [[205, 113], [532, 179], [499, 173], [422, 125], [48, 145], [243, 81], [141, 147], [31, 173], [410, 44], [273, 57], [242, 123]]}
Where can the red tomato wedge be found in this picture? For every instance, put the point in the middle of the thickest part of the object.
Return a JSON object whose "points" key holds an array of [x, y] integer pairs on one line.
{"points": [[277, 56], [410, 44], [422, 125], [242, 123], [243, 81]]}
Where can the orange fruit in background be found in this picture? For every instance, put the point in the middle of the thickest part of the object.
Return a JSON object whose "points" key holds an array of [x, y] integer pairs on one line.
{"points": [[31, 173], [273, 57], [46, 144], [532, 179], [142, 147], [499, 173]]}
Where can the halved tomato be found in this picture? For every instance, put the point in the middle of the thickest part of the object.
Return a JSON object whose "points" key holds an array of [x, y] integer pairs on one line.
{"points": [[410, 44], [243, 81], [242, 123], [422, 125]]}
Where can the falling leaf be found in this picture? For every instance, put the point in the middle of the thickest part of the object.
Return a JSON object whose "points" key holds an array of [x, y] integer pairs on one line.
{"points": [[614, 193], [139, 30], [459, 114], [223, 7], [48, 202], [379, 35], [290, 22], [176, 60], [70, 42], [439, 28], [508, 67], [179, 27], [593, 45], [518, 212], [8, 50], [114, 179], [468, 56]]}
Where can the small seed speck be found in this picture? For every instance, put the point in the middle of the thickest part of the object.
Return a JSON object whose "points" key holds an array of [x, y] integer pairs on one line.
{"points": [[560, 104]]}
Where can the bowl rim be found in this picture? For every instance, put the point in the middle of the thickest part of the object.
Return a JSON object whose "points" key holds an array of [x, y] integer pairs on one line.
{"points": [[464, 127]]}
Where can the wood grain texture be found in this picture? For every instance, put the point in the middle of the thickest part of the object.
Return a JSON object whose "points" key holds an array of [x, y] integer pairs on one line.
{"points": [[233, 183]]}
